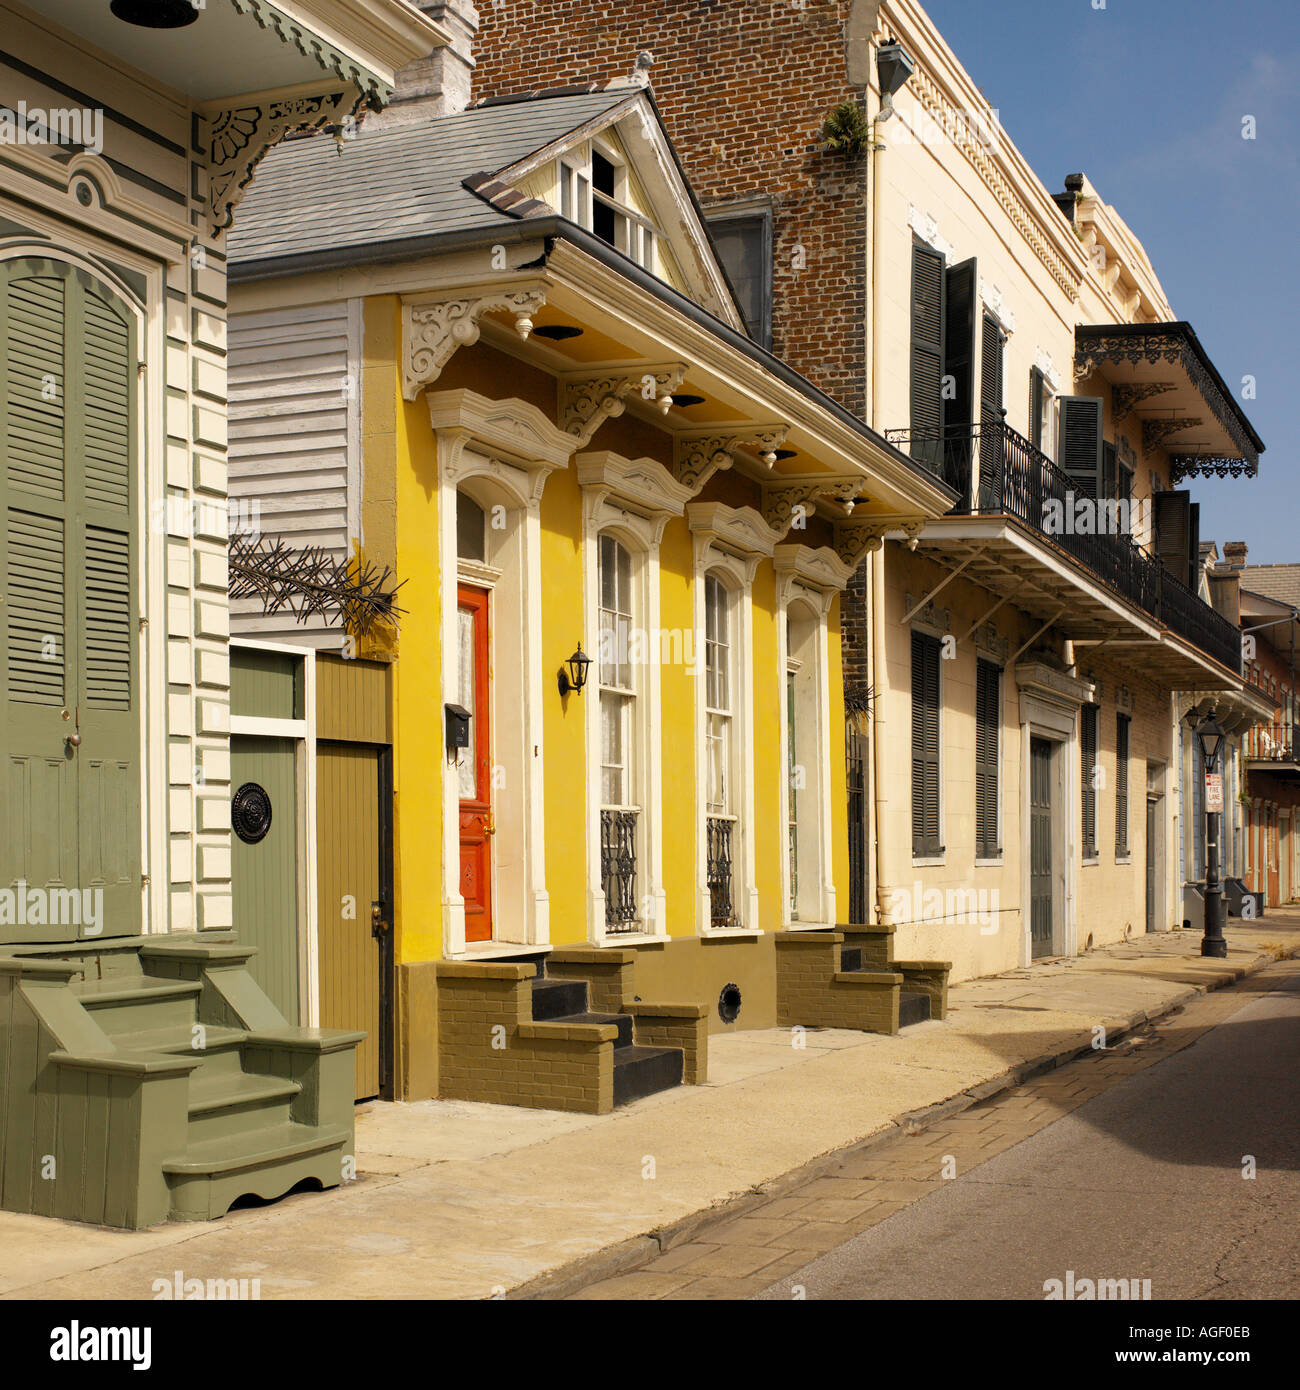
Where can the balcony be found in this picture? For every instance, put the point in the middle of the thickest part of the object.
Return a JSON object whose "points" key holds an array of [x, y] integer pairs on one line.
{"points": [[1016, 481]]}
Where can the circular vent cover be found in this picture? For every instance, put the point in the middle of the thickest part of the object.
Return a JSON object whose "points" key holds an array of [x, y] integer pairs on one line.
{"points": [[729, 1003], [250, 813]]}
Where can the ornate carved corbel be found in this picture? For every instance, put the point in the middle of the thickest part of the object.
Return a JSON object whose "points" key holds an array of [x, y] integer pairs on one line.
{"points": [[587, 401], [698, 456], [432, 330], [236, 140], [780, 500], [858, 537]]}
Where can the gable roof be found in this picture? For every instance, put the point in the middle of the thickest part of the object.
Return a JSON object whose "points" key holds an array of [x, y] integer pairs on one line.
{"points": [[1281, 583], [389, 184], [391, 181]]}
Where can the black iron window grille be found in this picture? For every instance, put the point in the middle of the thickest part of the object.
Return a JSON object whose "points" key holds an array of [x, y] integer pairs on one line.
{"points": [[618, 870], [722, 896]]}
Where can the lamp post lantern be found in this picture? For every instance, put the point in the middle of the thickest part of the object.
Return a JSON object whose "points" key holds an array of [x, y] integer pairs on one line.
{"points": [[1210, 737]]}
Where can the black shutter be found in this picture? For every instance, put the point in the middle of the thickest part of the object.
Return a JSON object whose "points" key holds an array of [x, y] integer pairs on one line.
{"points": [[925, 746], [1088, 760], [1037, 398], [988, 679], [927, 353], [1122, 722], [962, 293], [1109, 469], [991, 415], [1194, 546], [1173, 526], [1081, 418]]}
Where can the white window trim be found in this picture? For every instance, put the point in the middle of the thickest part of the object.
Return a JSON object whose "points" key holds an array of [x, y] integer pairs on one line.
{"points": [[633, 499], [814, 576], [510, 446], [732, 541]]}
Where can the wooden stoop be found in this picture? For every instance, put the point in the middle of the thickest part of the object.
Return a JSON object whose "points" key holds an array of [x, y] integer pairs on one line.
{"points": [[157, 1081]]}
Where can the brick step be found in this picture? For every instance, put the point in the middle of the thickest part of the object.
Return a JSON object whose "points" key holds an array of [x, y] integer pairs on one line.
{"points": [[644, 1071], [913, 1007], [557, 999], [623, 1022]]}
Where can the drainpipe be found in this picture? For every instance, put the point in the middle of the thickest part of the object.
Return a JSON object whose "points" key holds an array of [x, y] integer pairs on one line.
{"points": [[880, 742]]}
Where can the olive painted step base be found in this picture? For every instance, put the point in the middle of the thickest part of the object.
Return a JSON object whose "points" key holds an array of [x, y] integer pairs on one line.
{"points": [[165, 1082]]}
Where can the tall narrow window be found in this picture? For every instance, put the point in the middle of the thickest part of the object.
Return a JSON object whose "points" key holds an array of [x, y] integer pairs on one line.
{"points": [[720, 683], [926, 841], [619, 812], [744, 246], [1122, 725], [1088, 760], [988, 681]]}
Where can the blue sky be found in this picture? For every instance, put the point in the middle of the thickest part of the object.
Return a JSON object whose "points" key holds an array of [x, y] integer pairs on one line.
{"points": [[1147, 98]]}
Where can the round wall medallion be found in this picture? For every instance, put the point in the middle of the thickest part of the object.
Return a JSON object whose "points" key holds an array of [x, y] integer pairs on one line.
{"points": [[250, 813], [729, 1003]]}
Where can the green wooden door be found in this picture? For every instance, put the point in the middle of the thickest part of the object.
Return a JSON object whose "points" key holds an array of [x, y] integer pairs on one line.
{"points": [[264, 869], [70, 730]]}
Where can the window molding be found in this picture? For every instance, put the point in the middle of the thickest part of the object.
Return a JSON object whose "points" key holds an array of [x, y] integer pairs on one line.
{"points": [[760, 211], [731, 542]]}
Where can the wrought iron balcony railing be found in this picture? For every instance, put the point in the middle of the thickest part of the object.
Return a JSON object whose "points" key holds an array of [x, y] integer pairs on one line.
{"points": [[1016, 479]]}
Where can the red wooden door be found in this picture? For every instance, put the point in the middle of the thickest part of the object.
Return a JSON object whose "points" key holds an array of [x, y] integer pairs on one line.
{"points": [[475, 765]]}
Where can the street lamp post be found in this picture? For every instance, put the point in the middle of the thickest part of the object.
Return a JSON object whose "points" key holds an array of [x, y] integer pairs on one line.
{"points": [[1213, 943]]}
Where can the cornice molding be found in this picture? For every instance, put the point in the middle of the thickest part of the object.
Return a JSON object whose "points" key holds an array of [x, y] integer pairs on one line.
{"points": [[640, 495], [722, 533], [432, 329], [512, 429], [588, 399], [815, 567]]}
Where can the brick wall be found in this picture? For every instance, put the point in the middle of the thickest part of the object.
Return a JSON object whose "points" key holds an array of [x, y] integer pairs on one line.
{"points": [[743, 88]]}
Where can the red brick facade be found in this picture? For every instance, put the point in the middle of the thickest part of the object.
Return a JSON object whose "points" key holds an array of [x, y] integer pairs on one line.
{"points": [[743, 86]]}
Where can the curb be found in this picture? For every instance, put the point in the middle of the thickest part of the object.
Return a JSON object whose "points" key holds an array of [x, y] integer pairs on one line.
{"points": [[635, 1253]]}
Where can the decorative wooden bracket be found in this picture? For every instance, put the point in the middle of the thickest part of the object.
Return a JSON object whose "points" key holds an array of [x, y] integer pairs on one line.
{"points": [[432, 330], [588, 400], [701, 454], [858, 537]]}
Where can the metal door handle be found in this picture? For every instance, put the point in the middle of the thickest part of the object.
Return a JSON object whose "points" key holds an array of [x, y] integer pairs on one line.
{"points": [[74, 740], [377, 924], [490, 828]]}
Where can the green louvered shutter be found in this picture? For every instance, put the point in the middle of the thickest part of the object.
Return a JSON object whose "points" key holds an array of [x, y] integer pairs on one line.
{"points": [[68, 404], [1123, 723], [928, 304], [1088, 761], [1081, 422], [988, 681], [926, 842]]}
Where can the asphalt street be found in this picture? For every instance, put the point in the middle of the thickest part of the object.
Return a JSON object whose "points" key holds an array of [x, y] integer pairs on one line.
{"points": [[1144, 1182]]}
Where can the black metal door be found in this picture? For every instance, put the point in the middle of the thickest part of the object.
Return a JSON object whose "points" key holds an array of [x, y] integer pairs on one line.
{"points": [[1040, 847], [1151, 864]]}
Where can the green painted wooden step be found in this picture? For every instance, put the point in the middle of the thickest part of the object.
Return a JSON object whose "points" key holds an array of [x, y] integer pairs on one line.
{"points": [[213, 1173], [226, 1104], [140, 1003]]}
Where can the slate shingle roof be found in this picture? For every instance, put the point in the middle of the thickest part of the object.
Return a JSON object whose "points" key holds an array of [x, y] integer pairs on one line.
{"points": [[387, 183], [1278, 582]]}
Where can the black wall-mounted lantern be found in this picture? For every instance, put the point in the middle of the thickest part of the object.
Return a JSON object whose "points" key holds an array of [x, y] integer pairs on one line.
{"points": [[458, 718], [573, 674], [156, 14]]}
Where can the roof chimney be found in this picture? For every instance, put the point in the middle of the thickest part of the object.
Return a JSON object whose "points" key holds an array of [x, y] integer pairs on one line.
{"points": [[439, 85], [1234, 554]]}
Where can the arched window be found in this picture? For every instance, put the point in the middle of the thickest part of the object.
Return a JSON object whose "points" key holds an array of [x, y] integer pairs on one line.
{"points": [[723, 757], [619, 738]]}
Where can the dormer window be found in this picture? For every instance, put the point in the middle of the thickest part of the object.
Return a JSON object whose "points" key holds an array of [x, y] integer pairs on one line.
{"points": [[594, 194]]}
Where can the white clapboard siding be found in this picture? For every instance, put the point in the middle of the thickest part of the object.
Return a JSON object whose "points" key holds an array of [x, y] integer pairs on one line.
{"points": [[294, 426]]}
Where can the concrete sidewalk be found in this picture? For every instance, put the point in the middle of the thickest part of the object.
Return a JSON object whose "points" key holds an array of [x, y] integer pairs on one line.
{"points": [[457, 1200]]}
